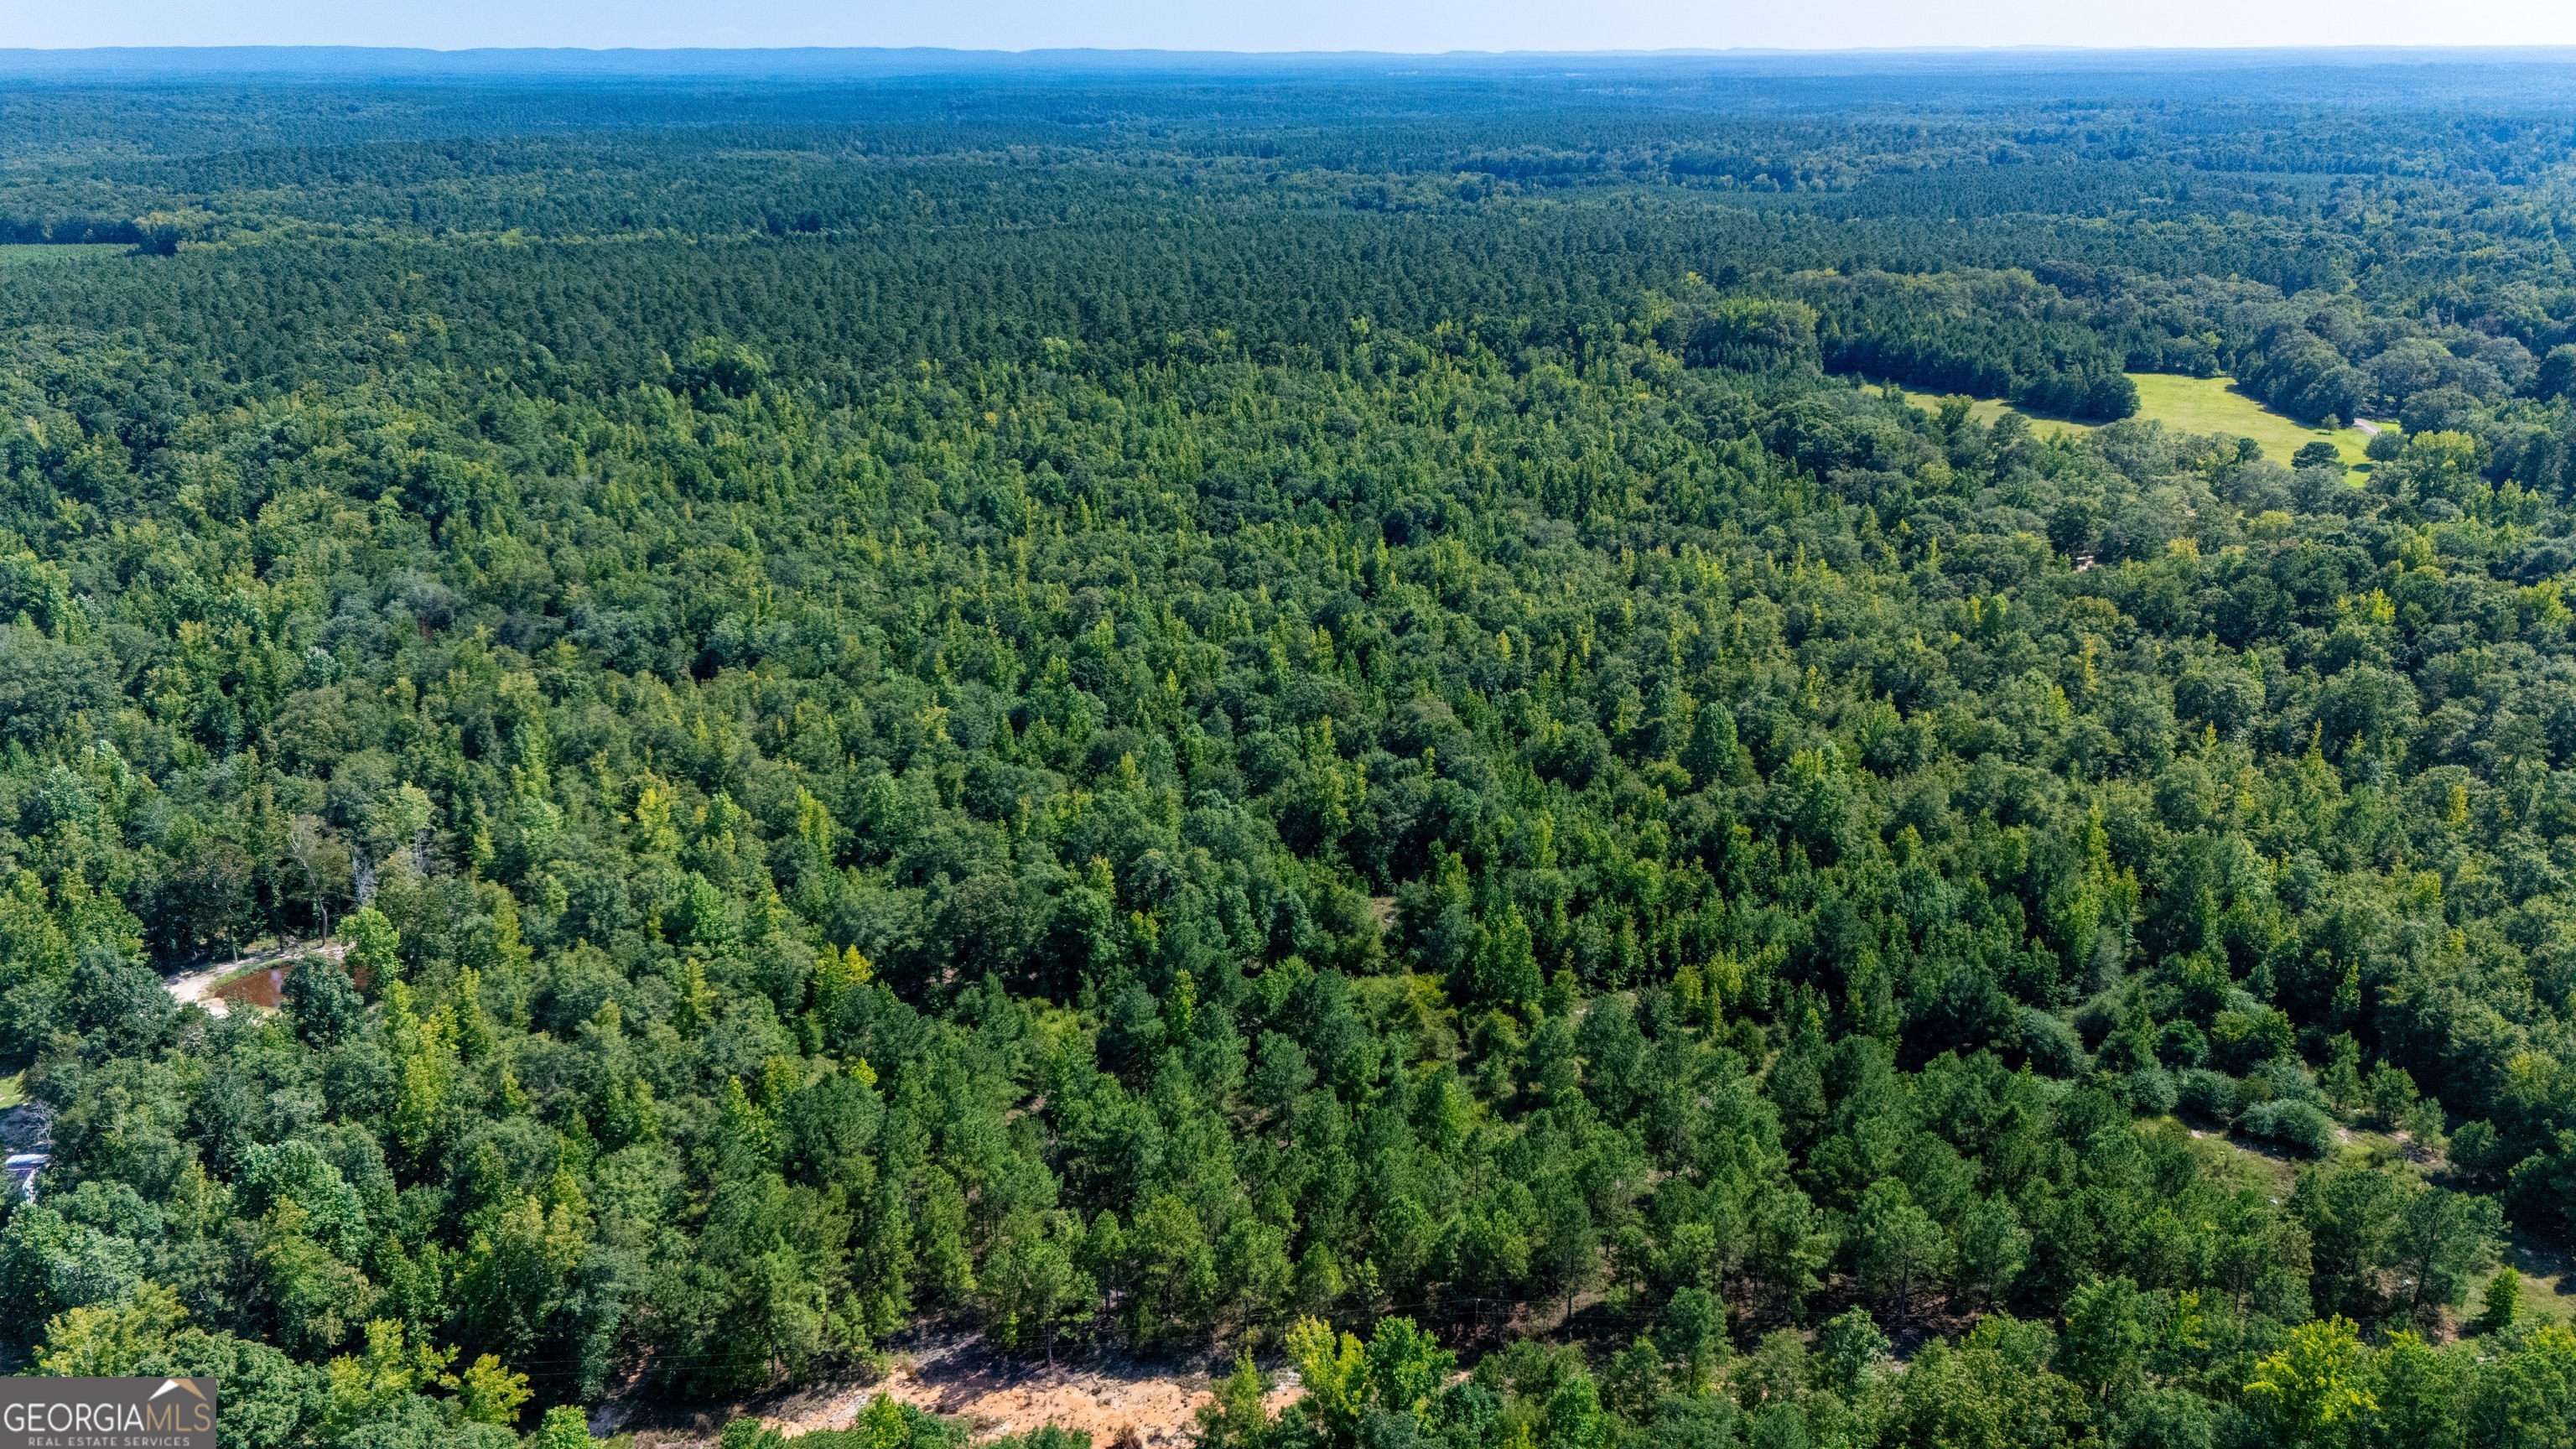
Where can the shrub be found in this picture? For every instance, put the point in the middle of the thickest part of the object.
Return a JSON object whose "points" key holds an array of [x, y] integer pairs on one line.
{"points": [[2245, 1036], [2051, 1044], [2151, 1091], [2283, 1077], [2182, 1045], [2291, 1123], [2210, 1096]]}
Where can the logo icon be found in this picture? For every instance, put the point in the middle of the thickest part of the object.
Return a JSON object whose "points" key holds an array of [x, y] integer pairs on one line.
{"points": [[156, 1413]]}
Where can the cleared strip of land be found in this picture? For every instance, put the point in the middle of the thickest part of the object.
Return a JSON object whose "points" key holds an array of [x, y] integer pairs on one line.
{"points": [[2193, 405], [2213, 405]]}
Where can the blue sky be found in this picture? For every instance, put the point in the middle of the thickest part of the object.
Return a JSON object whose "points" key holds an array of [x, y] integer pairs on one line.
{"points": [[1389, 25]]}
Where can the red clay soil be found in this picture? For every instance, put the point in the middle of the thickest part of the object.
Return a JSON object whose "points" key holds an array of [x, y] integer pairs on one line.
{"points": [[1110, 1398]]}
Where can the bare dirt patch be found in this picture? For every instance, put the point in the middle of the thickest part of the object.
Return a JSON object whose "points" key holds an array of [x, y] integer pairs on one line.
{"points": [[255, 979], [962, 1378]]}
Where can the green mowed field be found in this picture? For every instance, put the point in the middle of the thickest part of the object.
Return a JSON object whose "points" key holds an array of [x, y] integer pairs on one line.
{"points": [[1988, 409], [2213, 405], [2193, 405]]}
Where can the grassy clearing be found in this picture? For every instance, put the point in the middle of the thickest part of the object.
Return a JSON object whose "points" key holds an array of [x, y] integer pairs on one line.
{"points": [[2548, 1280], [2261, 1162], [30, 254], [2213, 405], [13, 1090], [2548, 1270], [1986, 410], [2190, 405]]}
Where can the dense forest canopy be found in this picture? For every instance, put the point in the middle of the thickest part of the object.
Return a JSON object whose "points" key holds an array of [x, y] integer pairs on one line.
{"points": [[1289, 714]]}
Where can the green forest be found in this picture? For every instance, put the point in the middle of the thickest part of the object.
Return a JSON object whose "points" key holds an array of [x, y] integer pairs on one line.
{"points": [[1280, 716]]}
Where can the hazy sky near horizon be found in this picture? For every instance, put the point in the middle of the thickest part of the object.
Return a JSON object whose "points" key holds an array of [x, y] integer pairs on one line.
{"points": [[1403, 25]]}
